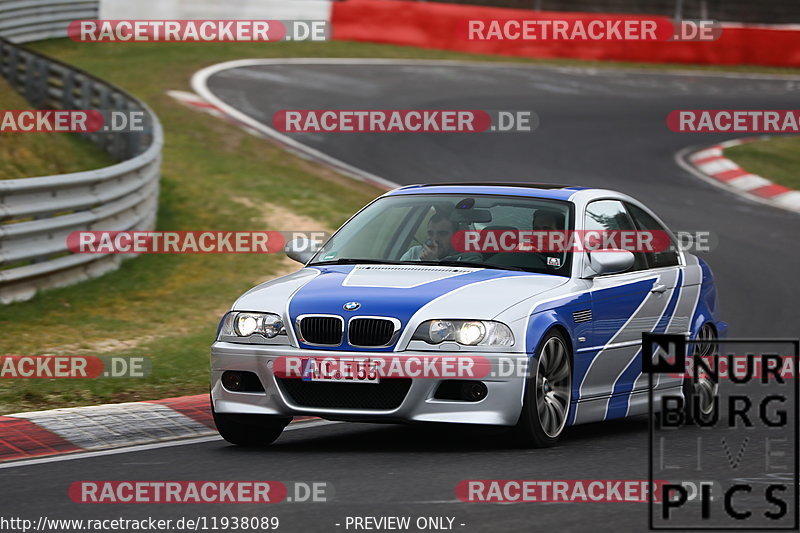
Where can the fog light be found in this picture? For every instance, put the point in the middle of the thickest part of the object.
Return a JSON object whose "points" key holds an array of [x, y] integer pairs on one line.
{"points": [[232, 380], [474, 391], [461, 391], [241, 381]]}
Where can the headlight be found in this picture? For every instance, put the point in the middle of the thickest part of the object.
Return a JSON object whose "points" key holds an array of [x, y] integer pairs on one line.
{"points": [[273, 326], [470, 333], [245, 324], [440, 330], [466, 332]]}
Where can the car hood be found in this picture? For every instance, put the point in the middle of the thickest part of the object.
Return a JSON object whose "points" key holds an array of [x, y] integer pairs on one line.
{"points": [[408, 293]]}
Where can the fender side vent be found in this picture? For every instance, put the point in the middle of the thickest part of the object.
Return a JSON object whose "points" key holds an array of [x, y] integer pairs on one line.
{"points": [[582, 316]]}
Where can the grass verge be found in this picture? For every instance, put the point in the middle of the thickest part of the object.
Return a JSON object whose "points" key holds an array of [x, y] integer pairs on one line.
{"points": [[25, 155], [777, 159], [166, 307]]}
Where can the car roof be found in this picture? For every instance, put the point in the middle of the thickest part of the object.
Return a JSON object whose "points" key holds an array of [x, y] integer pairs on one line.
{"points": [[534, 190]]}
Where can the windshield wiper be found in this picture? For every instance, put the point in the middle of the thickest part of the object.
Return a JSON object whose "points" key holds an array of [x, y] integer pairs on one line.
{"points": [[473, 264], [352, 261]]}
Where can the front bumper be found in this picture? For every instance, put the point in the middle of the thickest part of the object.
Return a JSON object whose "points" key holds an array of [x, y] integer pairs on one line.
{"points": [[501, 405]]}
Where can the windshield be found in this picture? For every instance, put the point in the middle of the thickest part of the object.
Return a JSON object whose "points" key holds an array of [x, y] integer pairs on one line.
{"points": [[438, 229]]}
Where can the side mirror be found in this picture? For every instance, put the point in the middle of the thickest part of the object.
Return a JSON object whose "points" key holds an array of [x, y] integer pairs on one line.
{"points": [[302, 249], [610, 262]]}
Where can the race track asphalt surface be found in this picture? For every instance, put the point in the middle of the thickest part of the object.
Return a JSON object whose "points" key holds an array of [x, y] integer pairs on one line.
{"points": [[602, 128]]}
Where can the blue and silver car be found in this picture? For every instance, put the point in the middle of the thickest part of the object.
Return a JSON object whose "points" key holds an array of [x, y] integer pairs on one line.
{"points": [[391, 283]]}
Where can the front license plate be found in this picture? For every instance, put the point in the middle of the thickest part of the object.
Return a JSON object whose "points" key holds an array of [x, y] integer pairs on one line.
{"points": [[334, 370]]}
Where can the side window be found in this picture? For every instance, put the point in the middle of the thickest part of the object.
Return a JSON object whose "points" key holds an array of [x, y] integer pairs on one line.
{"points": [[645, 222], [611, 215]]}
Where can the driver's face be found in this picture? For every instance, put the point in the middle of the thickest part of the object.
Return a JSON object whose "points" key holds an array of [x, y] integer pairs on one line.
{"points": [[545, 222], [441, 233]]}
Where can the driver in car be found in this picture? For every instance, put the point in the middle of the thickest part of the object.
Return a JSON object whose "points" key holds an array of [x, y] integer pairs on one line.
{"points": [[440, 244], [549, 220]]}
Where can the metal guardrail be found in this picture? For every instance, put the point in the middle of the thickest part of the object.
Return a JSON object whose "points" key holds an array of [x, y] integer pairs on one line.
{"points": [[32, 20], [37, 214]]}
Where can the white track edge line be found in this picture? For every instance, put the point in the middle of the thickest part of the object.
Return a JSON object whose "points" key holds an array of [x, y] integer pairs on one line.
{"points": [[200, 86], [144, 447], [681, 158]]}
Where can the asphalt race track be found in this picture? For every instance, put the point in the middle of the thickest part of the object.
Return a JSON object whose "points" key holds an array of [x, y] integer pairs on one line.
{"points": [[601, 128]]}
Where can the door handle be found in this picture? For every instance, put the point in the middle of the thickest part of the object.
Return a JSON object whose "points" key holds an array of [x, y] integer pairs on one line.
{"points": [[660, 288]]}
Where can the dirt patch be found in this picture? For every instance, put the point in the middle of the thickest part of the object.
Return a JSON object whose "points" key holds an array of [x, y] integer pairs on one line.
{"points": [[279, 218]]}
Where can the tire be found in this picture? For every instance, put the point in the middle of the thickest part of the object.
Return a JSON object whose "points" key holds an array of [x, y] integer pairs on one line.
{"points": [[548, 392], [699, 397], [249, 430]]}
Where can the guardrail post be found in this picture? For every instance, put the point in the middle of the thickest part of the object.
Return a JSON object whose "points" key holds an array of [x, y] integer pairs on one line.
{"points": [[119, 140], [33, 91], [85, 99], [134, 137], [678, 9], [4, 51], [103, 104], [67, 90], [13, 68]]}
